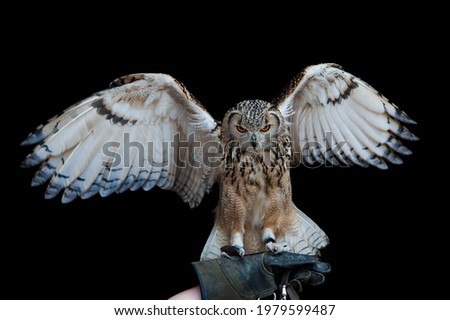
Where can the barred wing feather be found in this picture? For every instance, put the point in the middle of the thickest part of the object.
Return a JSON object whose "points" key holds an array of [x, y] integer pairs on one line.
{"points": [[137, 134], [336, 117]]}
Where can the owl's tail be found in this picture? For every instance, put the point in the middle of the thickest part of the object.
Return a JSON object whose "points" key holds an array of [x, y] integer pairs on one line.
{"points": [[304, 235], [217, 238]]}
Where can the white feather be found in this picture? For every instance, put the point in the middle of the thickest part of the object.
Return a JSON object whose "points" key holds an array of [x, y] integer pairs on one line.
{"points": [[378, 121], [116, 173], [368, 98], [95, 186], [363, 148], [85, 152], [338, 144], [211, 250], [320, 141], [371, 136], [48, 168], [343, 134], [133, 172], [310, 136], [147, 169], [85, 180], [166, 180], [308, 227]]}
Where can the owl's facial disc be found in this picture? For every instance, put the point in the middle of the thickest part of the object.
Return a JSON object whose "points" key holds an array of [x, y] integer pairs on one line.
{"points": [[254, 126]]}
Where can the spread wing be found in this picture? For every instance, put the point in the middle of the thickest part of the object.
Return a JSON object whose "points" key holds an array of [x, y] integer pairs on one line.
{"points": [[336, 117], [145, 130]]}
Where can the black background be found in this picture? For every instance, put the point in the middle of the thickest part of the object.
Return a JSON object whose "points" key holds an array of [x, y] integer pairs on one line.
{"points": [[386, 228]]}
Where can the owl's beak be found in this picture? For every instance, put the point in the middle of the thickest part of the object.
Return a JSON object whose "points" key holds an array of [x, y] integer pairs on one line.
{"points": [[254, 141]]}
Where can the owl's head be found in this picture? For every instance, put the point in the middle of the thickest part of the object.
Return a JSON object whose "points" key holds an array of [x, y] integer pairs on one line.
{"points": [[254, 123]]}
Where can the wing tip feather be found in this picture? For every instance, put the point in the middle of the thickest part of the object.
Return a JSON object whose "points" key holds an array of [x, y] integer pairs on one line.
{"points": [[31, 160]]}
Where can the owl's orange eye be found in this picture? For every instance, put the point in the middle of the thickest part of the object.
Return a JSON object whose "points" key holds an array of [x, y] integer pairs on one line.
{"points": [[241, 129], [265, 128]]}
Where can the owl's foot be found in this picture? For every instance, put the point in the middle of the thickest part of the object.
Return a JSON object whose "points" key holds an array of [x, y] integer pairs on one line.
{"points": [[274, 247], [228, 251], [270, 242]]}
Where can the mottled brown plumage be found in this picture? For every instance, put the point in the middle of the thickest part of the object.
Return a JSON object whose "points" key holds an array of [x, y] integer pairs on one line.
{"points": [[255, 211]]}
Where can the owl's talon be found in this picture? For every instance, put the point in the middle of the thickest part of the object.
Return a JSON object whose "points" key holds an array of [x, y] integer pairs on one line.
{"points": [[275, 247], [226, 255], [228, 251], [240, 250]]}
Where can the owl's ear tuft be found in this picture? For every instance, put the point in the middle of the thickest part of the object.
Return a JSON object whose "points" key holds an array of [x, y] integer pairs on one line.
{"points": [[126, 79]]}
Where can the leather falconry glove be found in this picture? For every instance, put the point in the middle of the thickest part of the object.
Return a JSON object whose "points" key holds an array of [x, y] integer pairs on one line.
{"points": [[260, 275]]}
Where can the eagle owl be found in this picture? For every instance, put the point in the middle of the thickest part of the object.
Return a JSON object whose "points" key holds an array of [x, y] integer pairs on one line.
{"points": [[147, 130]]}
